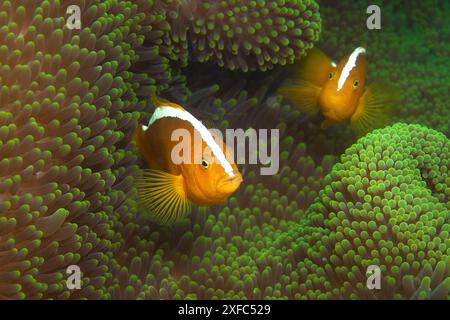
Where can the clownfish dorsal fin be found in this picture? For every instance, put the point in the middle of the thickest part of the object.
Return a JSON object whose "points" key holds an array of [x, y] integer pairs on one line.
{"points": [[164, 195], [374, 108], [314, 67]]}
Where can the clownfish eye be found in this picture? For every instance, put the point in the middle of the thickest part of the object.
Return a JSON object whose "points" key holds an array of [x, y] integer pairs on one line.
{"points": [[330, 75], [356, 84], [205, 164]]}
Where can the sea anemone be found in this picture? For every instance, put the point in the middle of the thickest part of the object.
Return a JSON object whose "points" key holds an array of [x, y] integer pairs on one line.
{"points": [[247, 35], [386, 203], [68, 109]]}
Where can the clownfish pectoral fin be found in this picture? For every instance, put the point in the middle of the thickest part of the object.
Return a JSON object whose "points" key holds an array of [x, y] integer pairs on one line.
{"points": [[374, 108], [163, 194], [315, 67], [303, 94], [326, 124]]}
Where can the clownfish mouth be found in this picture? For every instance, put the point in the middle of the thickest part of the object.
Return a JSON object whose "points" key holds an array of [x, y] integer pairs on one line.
{"points": [[227, 185]]}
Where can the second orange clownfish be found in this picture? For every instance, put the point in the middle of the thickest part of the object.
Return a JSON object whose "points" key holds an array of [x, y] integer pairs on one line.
{"points": [[337, 91]]}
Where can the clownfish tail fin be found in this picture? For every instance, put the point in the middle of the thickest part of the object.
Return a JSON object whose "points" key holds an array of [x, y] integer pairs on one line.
{"points": [[302, 94], [374, 109], [163, 195]]}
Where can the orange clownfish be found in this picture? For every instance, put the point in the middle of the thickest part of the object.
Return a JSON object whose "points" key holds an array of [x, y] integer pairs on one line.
{"points": [[337, 91], [169, 187]]}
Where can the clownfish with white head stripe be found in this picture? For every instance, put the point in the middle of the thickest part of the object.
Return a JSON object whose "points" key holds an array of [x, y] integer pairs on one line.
{"points": [[337, 91], [168, 187]]}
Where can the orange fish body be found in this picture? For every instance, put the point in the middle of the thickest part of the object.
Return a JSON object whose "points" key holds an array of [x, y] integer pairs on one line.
{"points": [[169, 187], [156, 146], [337, 91]]}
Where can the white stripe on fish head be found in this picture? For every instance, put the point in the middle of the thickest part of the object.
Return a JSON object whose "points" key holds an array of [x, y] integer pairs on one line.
{"points": [[171, 112], [351, 63]]}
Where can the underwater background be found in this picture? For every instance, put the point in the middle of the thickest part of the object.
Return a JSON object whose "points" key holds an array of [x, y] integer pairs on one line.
{"points": [[70, 100]]}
